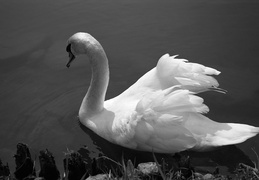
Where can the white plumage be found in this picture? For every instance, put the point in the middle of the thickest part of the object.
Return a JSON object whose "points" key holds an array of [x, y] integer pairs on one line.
{"points": [[161, 112]]}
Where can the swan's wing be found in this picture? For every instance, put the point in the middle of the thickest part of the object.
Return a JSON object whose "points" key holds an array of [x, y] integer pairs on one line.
{"points": [[161, 112], [173, 100], [172, 120], [161, 117], [171, 71], [192, 76]]}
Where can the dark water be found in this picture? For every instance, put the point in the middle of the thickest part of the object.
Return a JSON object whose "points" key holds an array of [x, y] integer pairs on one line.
{"points": [[40, 98]]}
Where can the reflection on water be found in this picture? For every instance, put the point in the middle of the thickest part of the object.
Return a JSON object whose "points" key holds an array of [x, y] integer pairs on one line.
{"points": [[40, 98]]}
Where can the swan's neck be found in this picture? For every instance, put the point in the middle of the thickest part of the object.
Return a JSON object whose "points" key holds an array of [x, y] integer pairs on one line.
{"points": [[95, 96]]}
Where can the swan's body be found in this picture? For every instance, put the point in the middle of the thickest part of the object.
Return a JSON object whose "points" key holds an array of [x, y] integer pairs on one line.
{"points": [[160, 112]]}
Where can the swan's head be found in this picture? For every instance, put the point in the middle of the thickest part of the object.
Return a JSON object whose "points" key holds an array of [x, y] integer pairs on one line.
{"points": [[79, 43]]}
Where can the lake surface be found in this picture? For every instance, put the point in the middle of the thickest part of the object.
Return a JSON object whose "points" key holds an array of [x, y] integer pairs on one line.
{"points": [[40, 97]]}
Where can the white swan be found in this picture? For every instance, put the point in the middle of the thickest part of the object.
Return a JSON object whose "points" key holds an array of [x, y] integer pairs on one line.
{"points": [[160, 112]]}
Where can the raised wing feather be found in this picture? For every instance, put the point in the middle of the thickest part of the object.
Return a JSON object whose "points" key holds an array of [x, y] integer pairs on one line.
{"points": [[192, 76], [161, 119]]}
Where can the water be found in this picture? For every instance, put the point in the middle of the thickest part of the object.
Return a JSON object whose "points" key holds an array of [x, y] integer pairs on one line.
{"points": [[40, 97]]}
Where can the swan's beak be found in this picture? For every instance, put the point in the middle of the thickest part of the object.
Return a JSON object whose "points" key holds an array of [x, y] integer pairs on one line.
{"points": [[71, 58]]}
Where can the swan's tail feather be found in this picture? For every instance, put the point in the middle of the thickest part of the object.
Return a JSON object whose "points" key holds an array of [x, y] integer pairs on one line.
{"points": [[237, 134], [212, 134]]}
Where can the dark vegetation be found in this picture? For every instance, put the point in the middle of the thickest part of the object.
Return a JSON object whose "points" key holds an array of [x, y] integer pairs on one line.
{"points": [[77, 168]]}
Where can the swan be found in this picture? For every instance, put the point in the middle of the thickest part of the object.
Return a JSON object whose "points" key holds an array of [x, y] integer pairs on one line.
{"points": [[160, 112]]}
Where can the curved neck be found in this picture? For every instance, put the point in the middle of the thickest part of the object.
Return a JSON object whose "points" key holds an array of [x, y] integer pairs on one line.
{"points": [[95, 96]]}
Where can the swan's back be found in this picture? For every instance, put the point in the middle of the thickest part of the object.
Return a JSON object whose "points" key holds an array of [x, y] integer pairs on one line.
{"points": [[164, 113]]}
